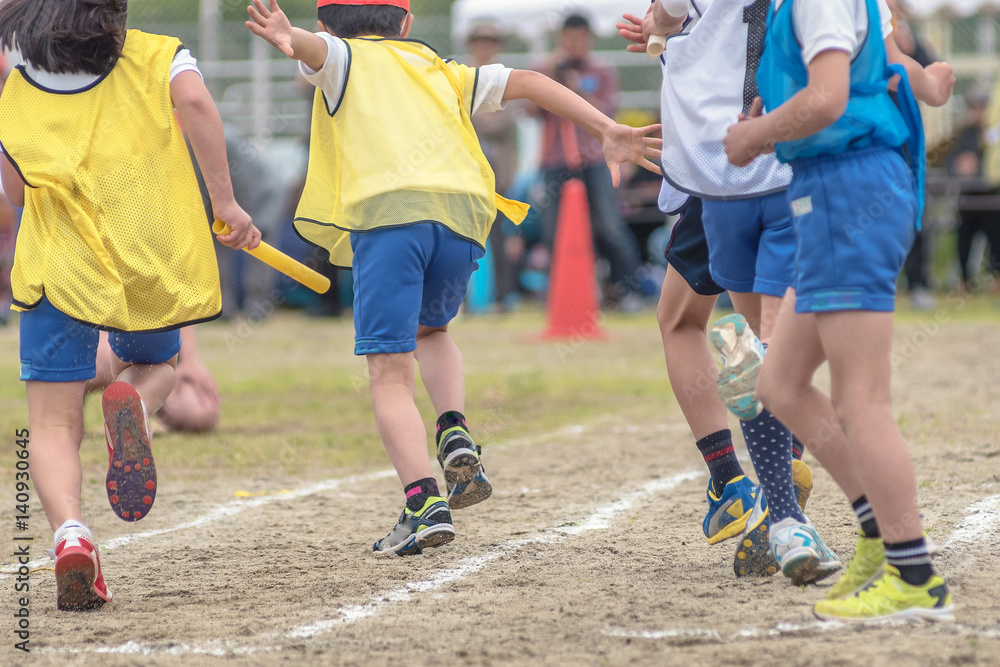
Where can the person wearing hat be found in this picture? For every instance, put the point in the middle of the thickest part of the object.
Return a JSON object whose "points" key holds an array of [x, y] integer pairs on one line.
{"points": [[398, 188], [497, 134]]}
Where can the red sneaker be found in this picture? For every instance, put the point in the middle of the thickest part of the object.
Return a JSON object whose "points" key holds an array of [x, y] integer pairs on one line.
{"points": [[79, 581], [131, 479]]}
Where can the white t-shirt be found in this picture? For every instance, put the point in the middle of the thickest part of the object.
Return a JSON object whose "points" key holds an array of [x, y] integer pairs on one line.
{"points": [[183, 62], [822, 25], [332, 77]]}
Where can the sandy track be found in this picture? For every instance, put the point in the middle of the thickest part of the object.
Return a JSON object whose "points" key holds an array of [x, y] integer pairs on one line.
{"points": [[292, 578]]}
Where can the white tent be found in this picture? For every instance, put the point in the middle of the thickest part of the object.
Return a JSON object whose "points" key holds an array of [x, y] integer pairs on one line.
{"points": [[530, 19]]}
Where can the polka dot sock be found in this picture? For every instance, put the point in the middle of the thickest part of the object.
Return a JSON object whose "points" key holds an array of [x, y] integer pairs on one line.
{"points": [[770, 447]]}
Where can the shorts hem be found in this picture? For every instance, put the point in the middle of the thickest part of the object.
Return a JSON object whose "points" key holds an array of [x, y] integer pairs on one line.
{"points": [[50, 375], [365, 346], [739, 286], [770, 288], [162, 358], [828, 301], [697, 284], [440, 322]]}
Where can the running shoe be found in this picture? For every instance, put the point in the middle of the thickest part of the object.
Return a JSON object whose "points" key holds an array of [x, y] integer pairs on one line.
{"points": [[727, 515], [742, 354], [753, 553], [415, 531], [464, 474], [891, 599], [802, 480], [79, 582], [803, 556], [865, 568], [131, 478]]}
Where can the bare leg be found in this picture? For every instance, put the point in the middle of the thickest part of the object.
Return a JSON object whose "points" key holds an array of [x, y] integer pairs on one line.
{"points": [[749, 306], [683, 316], [441, 369], [396, 416], [190, 409], [786, 389], [154, 382], [55, 415], [859, 346], [104, 375]]}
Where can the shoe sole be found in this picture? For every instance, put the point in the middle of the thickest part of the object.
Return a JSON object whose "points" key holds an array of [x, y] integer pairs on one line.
{"points": [[753, 554], [75, 576], [804, 566], [737, 382], [429, 538], [466, 480], [942, 615], [131, 479], [731, 529]]}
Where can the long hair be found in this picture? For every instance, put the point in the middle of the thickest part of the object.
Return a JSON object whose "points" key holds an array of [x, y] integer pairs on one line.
{"points": [[65, 36]]}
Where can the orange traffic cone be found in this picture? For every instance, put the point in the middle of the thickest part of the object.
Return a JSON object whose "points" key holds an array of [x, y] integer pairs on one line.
{"points": [[573, 310]]}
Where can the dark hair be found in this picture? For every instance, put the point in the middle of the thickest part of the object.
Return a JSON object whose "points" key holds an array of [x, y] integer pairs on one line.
{"points": [[62, 36], [347, 21], [576, 21]]}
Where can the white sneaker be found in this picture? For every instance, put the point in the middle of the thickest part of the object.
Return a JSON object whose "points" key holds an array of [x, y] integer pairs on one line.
{"points": [[801, 553]]}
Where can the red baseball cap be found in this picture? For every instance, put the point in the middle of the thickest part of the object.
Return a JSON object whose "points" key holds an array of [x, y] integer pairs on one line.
{"points": [[404, 4]]}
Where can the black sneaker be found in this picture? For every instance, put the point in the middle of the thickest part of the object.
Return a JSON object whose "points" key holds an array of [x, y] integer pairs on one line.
{"points": [[463, 470], [430, 527]]}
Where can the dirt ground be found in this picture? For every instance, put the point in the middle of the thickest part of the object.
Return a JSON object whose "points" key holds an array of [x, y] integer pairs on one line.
{"points": [[590, 552]]}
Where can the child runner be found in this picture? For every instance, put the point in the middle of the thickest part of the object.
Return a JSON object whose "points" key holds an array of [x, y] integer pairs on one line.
{"points": [[855, 204], [709, 78], [399, 189], [113, 237]]}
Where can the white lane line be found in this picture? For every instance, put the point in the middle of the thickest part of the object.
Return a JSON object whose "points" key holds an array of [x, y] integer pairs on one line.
{"points": [[600, 519], [235, 507], [979, 524], [782, 629]]}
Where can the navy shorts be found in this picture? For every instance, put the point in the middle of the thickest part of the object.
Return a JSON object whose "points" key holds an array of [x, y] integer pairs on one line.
{"points": [[688, 250], [751, 244], [57, 348], [405, 277], [855, 221]]}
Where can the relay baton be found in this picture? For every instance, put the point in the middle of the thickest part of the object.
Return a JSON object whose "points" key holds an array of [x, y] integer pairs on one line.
{"points": [[281, 262], [657, 43]]}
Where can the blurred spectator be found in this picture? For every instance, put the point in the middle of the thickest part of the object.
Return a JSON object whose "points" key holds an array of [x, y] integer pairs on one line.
{"points": [[573, 65], [965, 161], [497, 134], [918, 263]]}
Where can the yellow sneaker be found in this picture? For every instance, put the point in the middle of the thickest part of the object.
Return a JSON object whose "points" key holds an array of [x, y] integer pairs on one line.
{"points": [[802, 480], [864, 569], [890, 599]]}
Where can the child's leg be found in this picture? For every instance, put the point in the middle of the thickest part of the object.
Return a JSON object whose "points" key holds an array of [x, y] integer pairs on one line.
{"points": [[396, 415], [55, 415], [154, 382], [441, 369]]}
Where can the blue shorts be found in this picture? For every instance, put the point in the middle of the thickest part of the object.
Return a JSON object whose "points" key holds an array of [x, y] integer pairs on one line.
{"points": [[405, 276], [751, 244], [57, 348], [688, 250], [855, 221]]}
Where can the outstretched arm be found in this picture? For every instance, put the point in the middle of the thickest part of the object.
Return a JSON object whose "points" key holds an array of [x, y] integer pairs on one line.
{"points": [[204, 129], [932, 84], [620, 142], [271, 24], [658, 21]]}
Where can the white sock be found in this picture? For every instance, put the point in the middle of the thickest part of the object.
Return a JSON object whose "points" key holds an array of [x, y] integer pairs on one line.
{"points": [[71, 523]]}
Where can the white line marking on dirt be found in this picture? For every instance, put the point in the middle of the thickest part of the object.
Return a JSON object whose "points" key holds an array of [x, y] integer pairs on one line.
{"points": [[980, 523], [598, 520]]}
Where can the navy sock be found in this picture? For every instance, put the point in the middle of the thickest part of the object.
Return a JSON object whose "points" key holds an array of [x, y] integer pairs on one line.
{"points": [[720, 457], [770, 447], [418, 493], [866, 517], [797, 449], [911, 559]]}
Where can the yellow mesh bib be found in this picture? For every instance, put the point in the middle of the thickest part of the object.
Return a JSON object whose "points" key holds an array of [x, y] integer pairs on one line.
{"points": [[398, 150], [114, 231]]}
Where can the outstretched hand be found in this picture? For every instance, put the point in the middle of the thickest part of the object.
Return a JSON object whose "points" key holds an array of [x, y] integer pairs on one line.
{"points": [[631, 29], [272, 25], [622, 143]]}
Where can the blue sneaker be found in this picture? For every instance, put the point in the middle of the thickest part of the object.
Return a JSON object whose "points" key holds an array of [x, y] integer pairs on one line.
{"points": [[727, 516], [753, 553], [801, 552], [463, 470], [415, 531], [742, 355]]}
